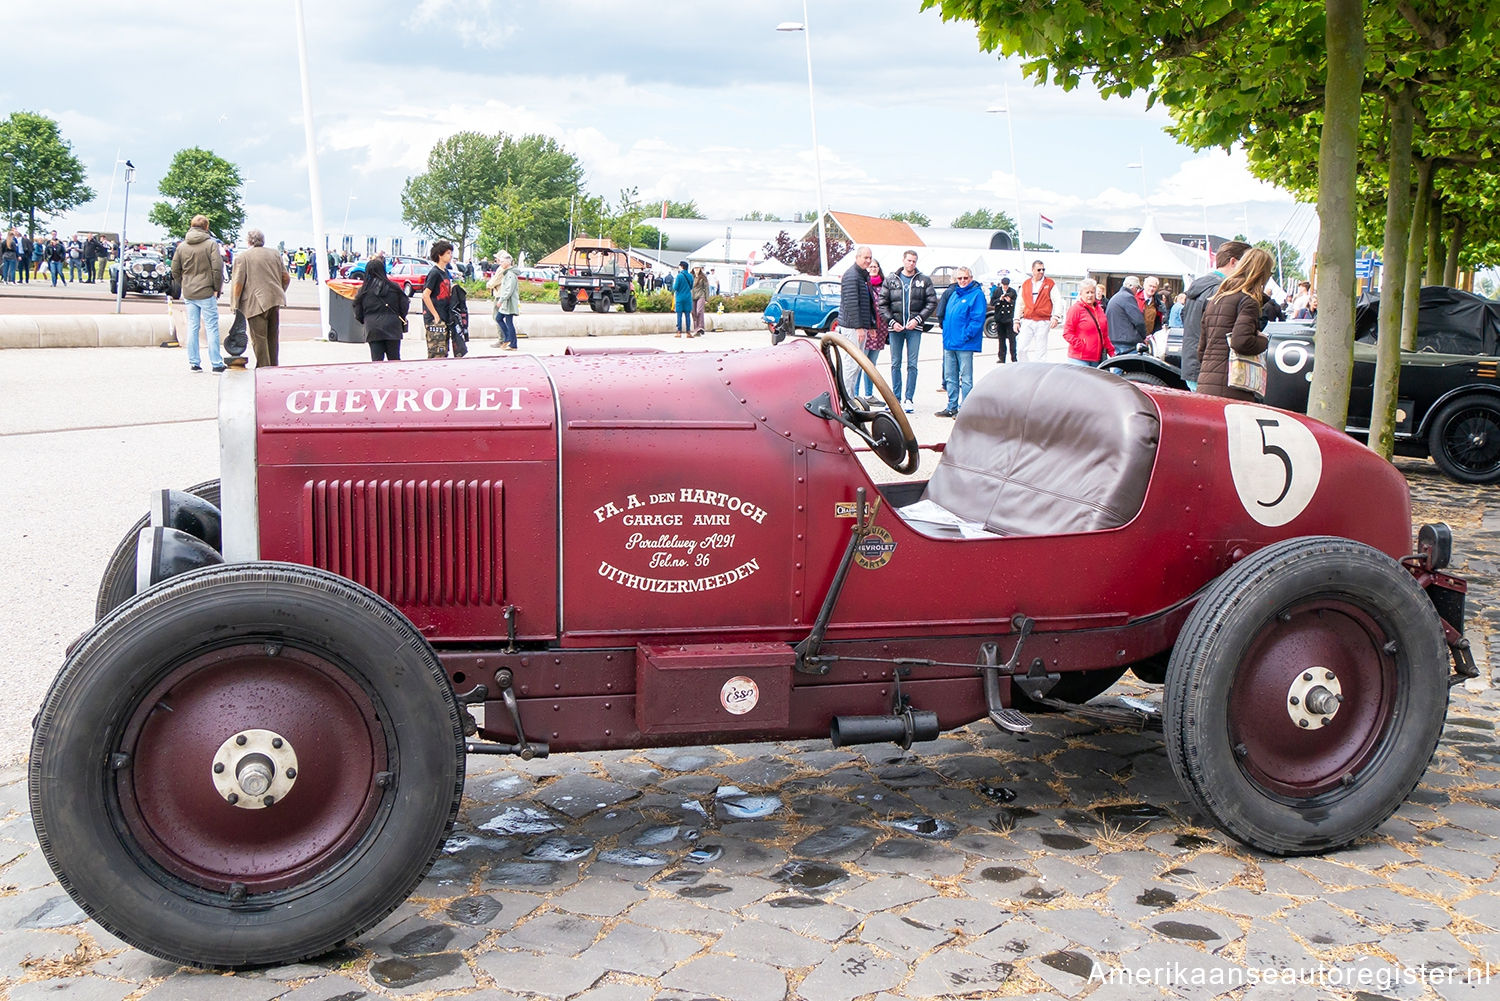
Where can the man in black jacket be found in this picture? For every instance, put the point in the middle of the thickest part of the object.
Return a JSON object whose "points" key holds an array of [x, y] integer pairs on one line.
{"points": [[856, 307], [1126, 319], [1003, 309], [907, 302], [1198, 294]]}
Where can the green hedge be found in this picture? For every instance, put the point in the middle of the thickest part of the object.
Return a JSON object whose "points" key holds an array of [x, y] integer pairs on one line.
{"points": [[648, 302], [529, 291]]}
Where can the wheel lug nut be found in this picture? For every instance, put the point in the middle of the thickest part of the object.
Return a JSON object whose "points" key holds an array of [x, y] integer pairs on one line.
{"points": [[1326, 721], [1327, 675], [291, 773], [1302, 722], [233, 798], [218, 768], [276, 741], [269, 800], [1294, 700], [240, 740], [1307, 676]]}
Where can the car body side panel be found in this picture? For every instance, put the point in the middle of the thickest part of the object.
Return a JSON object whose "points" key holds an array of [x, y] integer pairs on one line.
{"points": [[433, 483]]}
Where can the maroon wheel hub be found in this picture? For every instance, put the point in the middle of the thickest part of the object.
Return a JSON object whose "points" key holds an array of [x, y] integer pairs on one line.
{"points": [[1311, 699], [182, 818]]}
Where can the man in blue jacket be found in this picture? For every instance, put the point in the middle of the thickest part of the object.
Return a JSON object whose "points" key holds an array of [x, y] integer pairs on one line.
{"points": [[963, 335], [682, 299]]}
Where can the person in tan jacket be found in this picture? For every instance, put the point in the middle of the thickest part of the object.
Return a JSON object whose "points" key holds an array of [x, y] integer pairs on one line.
{"points": [[257, 288], [198, 266]]}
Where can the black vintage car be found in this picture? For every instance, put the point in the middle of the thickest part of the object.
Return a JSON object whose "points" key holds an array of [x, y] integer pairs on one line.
{"points": [[146, 273], [1448, 402]]}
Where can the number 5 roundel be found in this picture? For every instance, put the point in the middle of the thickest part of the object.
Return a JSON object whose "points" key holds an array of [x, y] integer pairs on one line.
{"points": [[1275, 462]]}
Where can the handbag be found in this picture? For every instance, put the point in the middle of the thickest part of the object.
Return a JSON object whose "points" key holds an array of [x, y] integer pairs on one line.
{"points": [[1247, 372]]}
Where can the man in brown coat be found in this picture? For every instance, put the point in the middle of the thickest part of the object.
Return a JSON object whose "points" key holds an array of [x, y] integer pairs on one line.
{"points": [[198, 267], [257, 288]]}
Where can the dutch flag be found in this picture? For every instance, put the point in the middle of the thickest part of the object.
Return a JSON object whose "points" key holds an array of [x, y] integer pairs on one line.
{"points": [[1046, 223]]}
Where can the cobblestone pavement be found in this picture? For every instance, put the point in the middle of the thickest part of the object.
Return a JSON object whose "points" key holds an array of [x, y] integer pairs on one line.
{"points": [[1060, 865]]}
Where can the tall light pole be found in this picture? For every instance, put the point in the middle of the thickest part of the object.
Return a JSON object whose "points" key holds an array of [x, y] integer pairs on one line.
{"points": [[10, 184], [1141, 166], [344, 228], [120, 247], [812, 107], [1010, 131], [315, 187]]}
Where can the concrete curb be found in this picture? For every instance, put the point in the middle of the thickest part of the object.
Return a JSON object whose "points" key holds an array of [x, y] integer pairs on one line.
{"points": [[143, 331], [128, 330]]}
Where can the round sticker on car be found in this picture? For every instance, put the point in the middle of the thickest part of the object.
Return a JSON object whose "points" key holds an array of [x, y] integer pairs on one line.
{"points": [[739, 695], [875, 549], [1275, 462]]}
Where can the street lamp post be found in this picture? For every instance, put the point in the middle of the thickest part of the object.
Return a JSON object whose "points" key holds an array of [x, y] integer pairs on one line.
{"points": [[344, 228], [813, 112], [1141, 166], [1010, 131], [120, 247], [10, 183]]}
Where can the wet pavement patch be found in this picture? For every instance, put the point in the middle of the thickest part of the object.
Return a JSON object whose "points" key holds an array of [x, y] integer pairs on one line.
{"points": [[795, 903], [1130, 814], [924, 826], [809, 875], [522, 820], [704, 854], [703, 890], [402, 973], [1157, 898], [1003, 874], [523, 874], [422, 941], [560, 849], [1012, 815], [1075, 963], [999, 794], [634, 857], [1184, 930], [835, 840], [1063, 842], [476, 910], [663, 834]]}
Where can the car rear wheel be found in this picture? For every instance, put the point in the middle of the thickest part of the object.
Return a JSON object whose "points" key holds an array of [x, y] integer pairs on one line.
{"points": [[602, 303], [1465, 440], [567, 301], [250, 765], [118, 584], [630, 305], [1306, 695], [990, 330]]}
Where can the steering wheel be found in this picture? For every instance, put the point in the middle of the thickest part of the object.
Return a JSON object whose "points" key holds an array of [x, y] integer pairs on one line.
{"points": [[890, 435]]}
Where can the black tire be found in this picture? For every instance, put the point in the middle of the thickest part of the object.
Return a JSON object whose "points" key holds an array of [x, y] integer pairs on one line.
{"points": [[990, 330], [355, 691], [1237, 740], [114, 286], [1144, 379], [1465, 439], [630, 305], [1074, 686], [118, 584], [567, 302], [601, 303]]}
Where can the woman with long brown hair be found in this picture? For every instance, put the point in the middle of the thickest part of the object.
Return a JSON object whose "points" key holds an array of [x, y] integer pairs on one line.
{"points": [[1232, 319]]}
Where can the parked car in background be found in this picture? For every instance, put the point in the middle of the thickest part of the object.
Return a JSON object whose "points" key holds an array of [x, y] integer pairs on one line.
{"points": [[599, 277], [813, 304], [536, 276], [762, 286], [408, 272], [147, 272]]}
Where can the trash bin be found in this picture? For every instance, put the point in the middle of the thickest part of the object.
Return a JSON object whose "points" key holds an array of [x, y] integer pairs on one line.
{"points": [[342, 326]]}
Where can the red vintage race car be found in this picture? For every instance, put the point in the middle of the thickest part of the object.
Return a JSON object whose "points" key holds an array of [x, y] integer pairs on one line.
{"points": [[258, 750]]}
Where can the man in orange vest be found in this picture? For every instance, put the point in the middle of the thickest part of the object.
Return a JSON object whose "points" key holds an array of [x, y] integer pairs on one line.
{"points": [[1041, 310]]}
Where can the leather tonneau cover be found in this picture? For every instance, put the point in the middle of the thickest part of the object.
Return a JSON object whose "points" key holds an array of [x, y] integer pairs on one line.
{"points": [[1041, 449]]}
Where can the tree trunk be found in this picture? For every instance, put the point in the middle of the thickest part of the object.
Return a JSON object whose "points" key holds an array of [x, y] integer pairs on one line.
{"points": [[1412, 293], [1344, 36], [1398, 221], [1435, 252], [1455, 244]]}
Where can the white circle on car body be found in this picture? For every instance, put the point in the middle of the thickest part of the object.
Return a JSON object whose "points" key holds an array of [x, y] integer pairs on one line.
{"points": [[739, 695], [1274, 460]]}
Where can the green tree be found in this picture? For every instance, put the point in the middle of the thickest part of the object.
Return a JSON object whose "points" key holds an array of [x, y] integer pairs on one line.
{"points": [[504, 223], [683, 210], [45, 176], [1289, 264], [549, 178], [200, 183], [985, 219], [914, 218], [759, 216], [463, 172]]}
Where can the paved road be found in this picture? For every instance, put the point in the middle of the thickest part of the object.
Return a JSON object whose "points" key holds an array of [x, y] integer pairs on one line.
{"points": [[1065, 864]]}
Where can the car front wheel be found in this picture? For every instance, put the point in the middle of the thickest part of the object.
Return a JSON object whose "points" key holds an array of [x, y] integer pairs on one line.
{"points": [[1465, 440], [250, 765], [1306, 695]]}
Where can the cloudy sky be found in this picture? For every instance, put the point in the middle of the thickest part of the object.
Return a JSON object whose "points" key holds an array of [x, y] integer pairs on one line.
{"points": [[701, 101]]}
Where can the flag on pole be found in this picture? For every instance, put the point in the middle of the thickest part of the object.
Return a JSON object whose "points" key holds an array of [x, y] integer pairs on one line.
{"points": [[1046, 223], [664, 214]]}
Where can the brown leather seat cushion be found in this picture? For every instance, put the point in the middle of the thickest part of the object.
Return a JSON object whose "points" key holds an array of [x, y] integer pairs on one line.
{"points": [[1041, 449]]}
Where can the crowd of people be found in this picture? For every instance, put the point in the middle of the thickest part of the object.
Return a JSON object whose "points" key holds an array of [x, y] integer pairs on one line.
{"points": [[80, 258], [1220, 317]]}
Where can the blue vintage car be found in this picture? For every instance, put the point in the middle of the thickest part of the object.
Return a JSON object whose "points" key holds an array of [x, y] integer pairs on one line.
{"points": [[811, 303]]}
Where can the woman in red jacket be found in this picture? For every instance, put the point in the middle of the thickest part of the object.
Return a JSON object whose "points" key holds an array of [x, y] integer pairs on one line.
{"points": [[1085, 329]]}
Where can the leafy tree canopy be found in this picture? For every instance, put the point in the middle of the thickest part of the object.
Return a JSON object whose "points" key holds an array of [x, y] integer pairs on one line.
{"points": [[44, 175], [985, 219], [914, 218], [200, 183], [683, 210]]}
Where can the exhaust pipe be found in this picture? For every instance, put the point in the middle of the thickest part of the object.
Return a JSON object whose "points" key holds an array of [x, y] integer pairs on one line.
{"points": [[165, 552], [909, 727]]}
